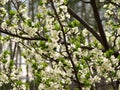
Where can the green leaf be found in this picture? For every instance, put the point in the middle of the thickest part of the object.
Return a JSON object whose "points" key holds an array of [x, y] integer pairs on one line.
{"points": [[39, 16], [19, 83], [109, 53], [12, 12], [43, 45], [79, 67], [12, 63], [100, 62], [6, 52], [118, 57], [29, 22], [87, 82], [57, 26], [70, 24], [87, 75], [76, 88], [65, 2], [4, 61], [34, 66], [45, 29], [27, 85], [48, 81], [63, 61], [49, 13], [112, 73], [73, 23], [44, 64], [76, 23], [8, 22], [77, 44], [81, 38], [40, 2], [39, 77]]}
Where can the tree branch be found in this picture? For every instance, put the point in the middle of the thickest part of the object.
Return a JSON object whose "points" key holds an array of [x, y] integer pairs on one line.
{"points": [[85, 24], [22, 37], [66, 46], [99, 24], [86, 47]]}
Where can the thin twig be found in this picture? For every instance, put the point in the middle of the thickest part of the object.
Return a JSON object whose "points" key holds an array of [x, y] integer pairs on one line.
{"points": [[22, 37]]}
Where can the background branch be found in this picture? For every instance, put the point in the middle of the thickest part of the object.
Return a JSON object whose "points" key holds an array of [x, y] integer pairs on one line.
{"points": [[85, 24], [99, 24]]}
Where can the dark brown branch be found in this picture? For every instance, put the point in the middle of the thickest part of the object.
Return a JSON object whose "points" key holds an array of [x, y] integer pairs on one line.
{"points": [[85, 24], [86, 47], [66, 45], [99, 24], [21, 37]]}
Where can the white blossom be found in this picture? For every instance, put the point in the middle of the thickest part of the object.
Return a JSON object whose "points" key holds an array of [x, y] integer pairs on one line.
{"points": [[96, 78], [4, 25], [3, 1], [102, 0]]}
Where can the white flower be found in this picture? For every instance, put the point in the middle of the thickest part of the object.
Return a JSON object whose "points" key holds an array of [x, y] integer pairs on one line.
{"points": [[96, 79], [42, 10], [64, 8], [68, 15], [48, 69], [57, 55], [4, 78], [2, 11], [109, 12], [106, 64], [118, 73], [31, 31], [117, 1], [41, 86], [22, 9], [85, 32], [108, 80], [4, 25], [114, 60], [1, 84], [102, 0], [3, 1], [111, 7], [105, 6], [86, 88], [117, 43], [23, 87]]}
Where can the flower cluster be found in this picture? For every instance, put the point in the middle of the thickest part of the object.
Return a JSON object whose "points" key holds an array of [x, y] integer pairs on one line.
{"points": [[55, 48]]}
